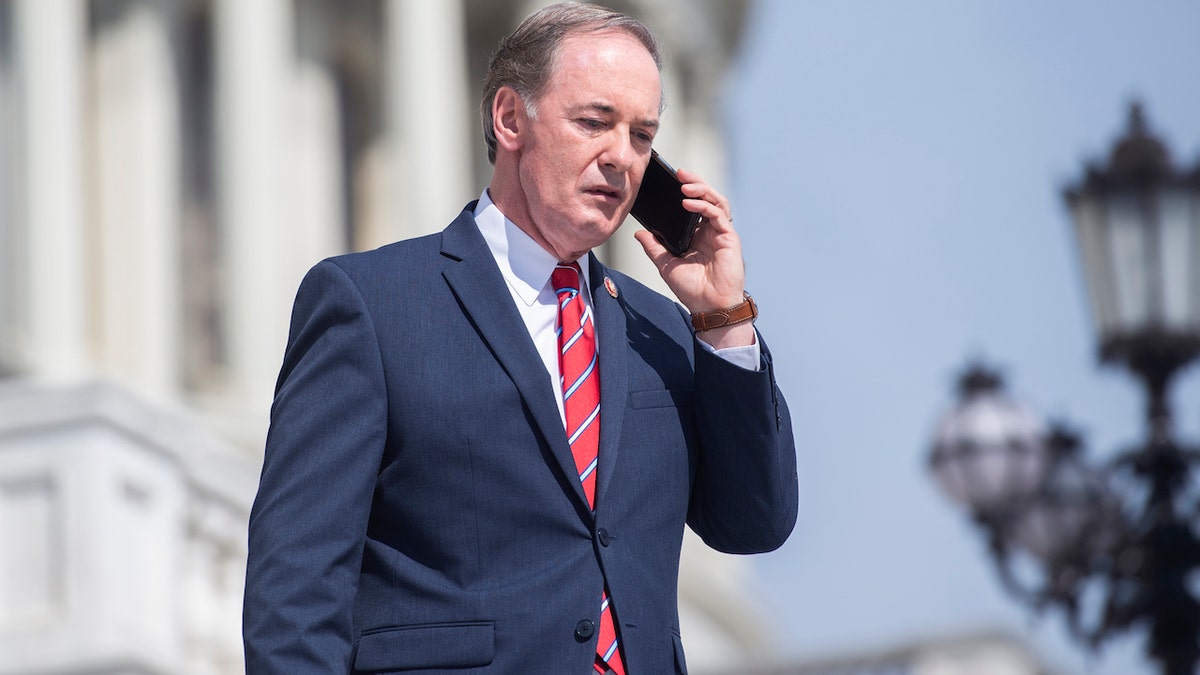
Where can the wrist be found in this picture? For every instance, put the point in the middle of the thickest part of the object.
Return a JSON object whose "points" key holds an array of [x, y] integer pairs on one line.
{"points": [[745, 311], [738, 335]]}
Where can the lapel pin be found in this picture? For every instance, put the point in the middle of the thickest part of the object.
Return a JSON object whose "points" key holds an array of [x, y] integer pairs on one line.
{"points": [[610, 287]]}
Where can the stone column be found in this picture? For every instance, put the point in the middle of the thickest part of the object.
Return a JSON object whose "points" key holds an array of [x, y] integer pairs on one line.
{"points": [[137, 202], [314, 209], [429, 114], [49, 36], [255, 51], [11, 214]]}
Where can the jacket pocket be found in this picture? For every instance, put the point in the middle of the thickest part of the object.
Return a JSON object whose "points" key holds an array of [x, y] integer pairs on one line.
{"points": [[444, 645], [661, 398]]}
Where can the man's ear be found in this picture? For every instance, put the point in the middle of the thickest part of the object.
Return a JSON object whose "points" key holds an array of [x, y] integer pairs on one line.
{"points": [[509, 119]]}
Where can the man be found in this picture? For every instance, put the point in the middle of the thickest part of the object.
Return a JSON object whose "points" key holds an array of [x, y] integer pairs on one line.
{"points": [[449, 485]]}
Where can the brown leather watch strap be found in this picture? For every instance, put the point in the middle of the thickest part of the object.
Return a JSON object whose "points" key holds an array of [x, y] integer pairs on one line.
{"points": [[746, 311]]}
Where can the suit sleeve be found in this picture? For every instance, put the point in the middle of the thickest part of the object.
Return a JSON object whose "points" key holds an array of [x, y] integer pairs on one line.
{"points": [[745, 496], [323, 450]]}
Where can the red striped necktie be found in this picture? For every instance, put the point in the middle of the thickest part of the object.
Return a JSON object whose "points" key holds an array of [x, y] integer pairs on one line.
{"points": [[580, 379]]}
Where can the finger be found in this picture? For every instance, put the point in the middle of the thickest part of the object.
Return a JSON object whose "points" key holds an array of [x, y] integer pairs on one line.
{"points": [[696, 188], [712, 216], [657, 253]]}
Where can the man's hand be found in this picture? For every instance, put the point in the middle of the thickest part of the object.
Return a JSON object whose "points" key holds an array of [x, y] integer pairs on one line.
{"points": [[712, 274]]}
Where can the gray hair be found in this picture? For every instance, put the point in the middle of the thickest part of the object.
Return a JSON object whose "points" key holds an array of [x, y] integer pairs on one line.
{"points": [[525, 59]]}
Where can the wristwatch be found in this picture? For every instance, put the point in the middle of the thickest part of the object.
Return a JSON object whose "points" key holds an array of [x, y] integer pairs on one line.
{"points": [[745, 311]]}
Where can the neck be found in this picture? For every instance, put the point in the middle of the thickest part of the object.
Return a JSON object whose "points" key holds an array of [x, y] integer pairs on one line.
{"points": [[507, 193]]}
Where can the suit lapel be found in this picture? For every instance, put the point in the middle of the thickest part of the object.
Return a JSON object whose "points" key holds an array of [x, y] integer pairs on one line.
{"points": [[483, 293], [609, 313]]}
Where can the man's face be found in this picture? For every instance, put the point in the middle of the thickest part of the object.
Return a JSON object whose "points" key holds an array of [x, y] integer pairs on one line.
{"points": [[589, 140]]}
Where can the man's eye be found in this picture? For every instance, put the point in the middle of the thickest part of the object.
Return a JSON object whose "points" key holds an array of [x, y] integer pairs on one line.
{"points": [[591, 123]]}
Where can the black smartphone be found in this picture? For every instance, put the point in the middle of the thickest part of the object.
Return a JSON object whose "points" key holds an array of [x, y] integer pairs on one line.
{"points": [[659, 207]]}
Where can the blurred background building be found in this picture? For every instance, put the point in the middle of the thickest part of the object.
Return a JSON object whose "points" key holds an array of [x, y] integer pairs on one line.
{"points": [[170, 168]]}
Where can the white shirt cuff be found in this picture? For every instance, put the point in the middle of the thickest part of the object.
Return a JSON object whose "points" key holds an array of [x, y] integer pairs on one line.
{"points": [[748, 357]]}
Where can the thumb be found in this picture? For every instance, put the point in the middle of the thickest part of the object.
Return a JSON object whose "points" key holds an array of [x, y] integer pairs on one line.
{"points": [[656, 252]]}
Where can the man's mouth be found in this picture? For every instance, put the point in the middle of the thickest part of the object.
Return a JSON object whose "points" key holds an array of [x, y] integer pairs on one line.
{"points": [[605, 192]]}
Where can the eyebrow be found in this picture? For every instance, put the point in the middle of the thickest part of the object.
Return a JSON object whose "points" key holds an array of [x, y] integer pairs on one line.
{"points": [[608, 110]]}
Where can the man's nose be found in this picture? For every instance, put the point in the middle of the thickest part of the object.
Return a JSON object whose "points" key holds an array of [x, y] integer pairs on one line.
{"points": [[618, 152]]}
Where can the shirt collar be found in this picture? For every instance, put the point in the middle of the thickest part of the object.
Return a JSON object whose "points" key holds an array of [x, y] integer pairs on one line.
{"points": [[525, 265]]}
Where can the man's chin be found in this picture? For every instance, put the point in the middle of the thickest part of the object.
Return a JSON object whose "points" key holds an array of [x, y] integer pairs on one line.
{"points": [[605, 230], [609, 219], [595, 225]]}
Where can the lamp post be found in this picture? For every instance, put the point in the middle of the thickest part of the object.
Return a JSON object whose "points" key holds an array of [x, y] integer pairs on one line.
{"points": [[1114, 546]]}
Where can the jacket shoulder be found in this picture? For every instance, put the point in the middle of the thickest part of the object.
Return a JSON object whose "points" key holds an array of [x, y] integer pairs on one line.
{"points": [[392, 257], [412, 256]]}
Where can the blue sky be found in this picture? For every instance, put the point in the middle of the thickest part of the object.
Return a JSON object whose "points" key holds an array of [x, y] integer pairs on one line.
{"points": [[896, 172]]}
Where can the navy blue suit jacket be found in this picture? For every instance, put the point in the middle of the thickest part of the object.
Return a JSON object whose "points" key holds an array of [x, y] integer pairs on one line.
{"points": [[419, 510]]}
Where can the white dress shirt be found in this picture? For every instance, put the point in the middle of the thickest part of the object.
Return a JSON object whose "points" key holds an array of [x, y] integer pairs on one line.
{"points": [[526, 266]]}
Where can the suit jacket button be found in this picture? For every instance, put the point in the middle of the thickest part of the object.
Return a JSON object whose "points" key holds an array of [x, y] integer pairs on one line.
{"points": [[584, 630], [602, 535]]}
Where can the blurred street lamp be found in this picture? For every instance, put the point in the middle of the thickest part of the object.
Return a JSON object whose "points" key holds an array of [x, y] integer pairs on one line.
{"points": [[1114, 546]]}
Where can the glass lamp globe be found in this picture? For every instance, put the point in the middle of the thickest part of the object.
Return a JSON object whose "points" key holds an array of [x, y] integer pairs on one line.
{"points": [[1137, 223], [988, 452]]}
